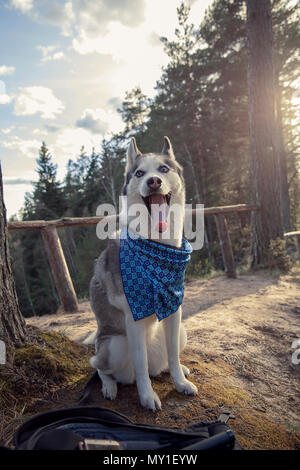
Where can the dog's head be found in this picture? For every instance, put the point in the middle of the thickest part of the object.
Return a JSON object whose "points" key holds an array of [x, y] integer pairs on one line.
{"points": [[154, 179]]}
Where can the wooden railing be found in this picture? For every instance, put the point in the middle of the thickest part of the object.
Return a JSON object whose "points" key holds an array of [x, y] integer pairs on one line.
{"points": [[58, 263]]}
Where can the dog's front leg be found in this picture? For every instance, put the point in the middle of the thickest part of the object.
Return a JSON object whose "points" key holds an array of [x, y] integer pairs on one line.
{"points": [[172, 330], [136, 334]]}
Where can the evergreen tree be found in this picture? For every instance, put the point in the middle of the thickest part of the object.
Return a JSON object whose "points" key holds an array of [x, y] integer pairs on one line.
{"points": [[265, 175], [112, 169], [134, 111], [47, 200]]}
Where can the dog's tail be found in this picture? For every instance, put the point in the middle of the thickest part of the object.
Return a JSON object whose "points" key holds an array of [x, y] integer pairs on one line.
{"points": [[90, 339]]}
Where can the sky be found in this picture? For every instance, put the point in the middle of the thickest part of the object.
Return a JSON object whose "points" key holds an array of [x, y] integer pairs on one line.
{"points": [[65, 66]]}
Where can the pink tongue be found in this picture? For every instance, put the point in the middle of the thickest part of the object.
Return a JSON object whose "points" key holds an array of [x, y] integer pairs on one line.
{"points": [[159, 212]]}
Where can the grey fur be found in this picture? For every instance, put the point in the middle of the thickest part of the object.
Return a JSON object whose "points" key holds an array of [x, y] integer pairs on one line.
{"points": [[172, 163], [130, 174], [107, 278]]}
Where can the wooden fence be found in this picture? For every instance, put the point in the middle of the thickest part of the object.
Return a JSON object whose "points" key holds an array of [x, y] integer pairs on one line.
{"points": [[58, 263]]}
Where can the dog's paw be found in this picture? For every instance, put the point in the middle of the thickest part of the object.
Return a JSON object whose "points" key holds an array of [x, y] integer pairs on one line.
{"points": [[150, 400], [186, 387], [185, 370], [109, 389]]}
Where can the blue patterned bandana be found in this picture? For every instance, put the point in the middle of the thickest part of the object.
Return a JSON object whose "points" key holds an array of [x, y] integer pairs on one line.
{"points": [[153, 275]]}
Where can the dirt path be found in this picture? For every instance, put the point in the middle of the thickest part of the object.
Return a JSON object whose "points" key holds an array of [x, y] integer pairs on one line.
{"points": [[239, 350], [251, 325]]}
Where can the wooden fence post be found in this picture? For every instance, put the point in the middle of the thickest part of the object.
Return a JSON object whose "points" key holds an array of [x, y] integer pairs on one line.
{"points": [[59, 269], [226, 246]]}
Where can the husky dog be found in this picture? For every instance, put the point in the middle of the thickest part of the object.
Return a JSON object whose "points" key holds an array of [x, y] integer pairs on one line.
{"points": [[129, 350]]}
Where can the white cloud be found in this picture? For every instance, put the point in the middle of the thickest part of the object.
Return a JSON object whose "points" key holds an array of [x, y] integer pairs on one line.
{"points": [[7, 130], [60, 14], [4, 97], [100, 121], [39, 132], [58, 55], [23, 5], [49, 54], [28, 148], [14, 196], [37, 99], [120, 42], [71, 139], [126, 30], [139, 63], [92, 16], [11, 180], [68, 145], [136, 48], [7, 69]]}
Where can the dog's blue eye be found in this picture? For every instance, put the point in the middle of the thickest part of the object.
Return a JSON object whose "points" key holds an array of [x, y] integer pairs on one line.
{"points": [[163, 169], [139, 173]]}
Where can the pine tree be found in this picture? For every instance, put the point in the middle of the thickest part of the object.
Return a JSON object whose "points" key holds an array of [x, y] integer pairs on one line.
{"points": [[74, 184], [265, 175], [134, 111], [112, 170], [92, 188], [46, 201]]}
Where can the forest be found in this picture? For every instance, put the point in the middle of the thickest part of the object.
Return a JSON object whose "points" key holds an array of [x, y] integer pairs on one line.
{"points": [[201, 103]]}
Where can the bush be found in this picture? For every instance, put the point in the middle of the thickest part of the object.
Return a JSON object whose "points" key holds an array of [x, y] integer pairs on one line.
{"points": [[277, 256]]}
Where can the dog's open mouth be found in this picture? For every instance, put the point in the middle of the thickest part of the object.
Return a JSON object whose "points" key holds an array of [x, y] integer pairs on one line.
{"points": [[158, 205]]}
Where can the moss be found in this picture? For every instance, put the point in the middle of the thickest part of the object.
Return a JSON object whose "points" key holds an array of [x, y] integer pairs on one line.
{"points": [[55, 358], [38, 371], [40, 360], [256, 430]]}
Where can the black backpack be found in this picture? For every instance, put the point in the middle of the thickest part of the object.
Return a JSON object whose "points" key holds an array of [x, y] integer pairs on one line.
{"points": [[90, 427]]}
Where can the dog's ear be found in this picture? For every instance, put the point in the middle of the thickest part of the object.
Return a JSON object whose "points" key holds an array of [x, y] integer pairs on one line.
{"points": [[167, 148], [132, 152]]}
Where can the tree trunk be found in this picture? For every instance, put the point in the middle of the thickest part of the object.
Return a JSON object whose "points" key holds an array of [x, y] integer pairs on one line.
{"points": [[12, 324], [208, 229], [265, 173], [284, 187], [195, 179], [201, 196]]}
